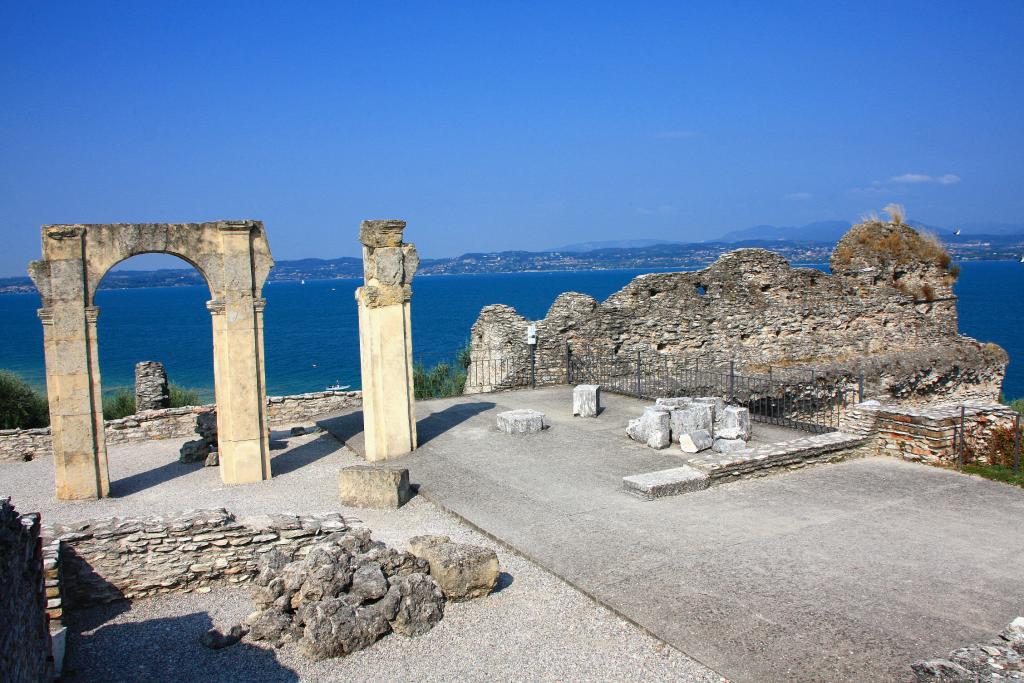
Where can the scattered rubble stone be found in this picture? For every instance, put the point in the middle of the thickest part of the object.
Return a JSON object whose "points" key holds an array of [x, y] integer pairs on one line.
{"points": [[347, 592], [215, 640], [695, 441], [692, 418], [981, 663], [734, 423], [462, 570], [194, 451], [652, 428]]}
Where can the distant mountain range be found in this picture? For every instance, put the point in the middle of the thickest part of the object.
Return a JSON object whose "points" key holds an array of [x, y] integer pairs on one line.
{"points": [[810, 243]]}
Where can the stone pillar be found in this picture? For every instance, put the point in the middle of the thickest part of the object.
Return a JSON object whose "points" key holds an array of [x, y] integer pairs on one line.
{"points": [[385, 339], [151, 389], [238, 364], [72, 368]]}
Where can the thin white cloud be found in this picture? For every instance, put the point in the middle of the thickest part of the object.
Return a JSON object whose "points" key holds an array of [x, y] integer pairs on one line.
{"points": [[797, 196], [921, 178], [875, 188], [676, 134], [663, 210]]}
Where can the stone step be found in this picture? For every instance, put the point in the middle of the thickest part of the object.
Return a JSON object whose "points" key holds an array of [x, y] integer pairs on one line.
{"points": [[671, 482], [818, 447]]}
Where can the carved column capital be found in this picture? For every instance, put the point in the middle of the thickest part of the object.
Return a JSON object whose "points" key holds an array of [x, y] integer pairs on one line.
{"points": [[215, 307]]}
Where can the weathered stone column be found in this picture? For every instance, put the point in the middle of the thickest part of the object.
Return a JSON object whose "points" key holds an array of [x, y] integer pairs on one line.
{"points": [[238, 364], [72, 367], [385, 339], [151, 389]]}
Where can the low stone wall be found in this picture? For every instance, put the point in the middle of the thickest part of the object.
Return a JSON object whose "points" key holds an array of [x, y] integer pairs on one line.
{"points": [[928, 433], [114, 559], [287, 410], [24, 637], [172, 423], [775, 457]]}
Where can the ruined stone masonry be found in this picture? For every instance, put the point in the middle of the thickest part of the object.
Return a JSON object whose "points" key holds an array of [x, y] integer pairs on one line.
{"points": [[151, 389], [25, 655], [114, 559], [887, 310]]}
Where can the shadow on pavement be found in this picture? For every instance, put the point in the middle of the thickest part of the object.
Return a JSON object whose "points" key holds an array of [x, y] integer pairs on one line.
{"points": [[166, 649]]}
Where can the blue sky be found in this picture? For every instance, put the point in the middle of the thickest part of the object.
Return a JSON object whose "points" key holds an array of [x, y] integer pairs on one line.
{"points": [[505, 125]]}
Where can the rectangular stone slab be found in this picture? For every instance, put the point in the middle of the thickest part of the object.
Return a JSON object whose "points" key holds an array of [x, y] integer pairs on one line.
{"points": [[671, 482], [366, 486]]}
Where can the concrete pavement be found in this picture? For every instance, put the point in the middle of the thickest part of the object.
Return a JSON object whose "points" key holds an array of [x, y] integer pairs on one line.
{"points": [[843, 572]]}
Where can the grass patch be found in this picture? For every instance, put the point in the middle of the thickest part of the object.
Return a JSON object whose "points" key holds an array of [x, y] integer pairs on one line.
{"points": [[21, 406], [443, 379], [996, 473], [182, 397]]}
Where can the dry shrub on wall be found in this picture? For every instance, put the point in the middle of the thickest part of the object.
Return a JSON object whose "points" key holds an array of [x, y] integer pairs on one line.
{"points": [[997, 449]]}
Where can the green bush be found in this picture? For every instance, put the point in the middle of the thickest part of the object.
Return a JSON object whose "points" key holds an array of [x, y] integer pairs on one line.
{"points": [[443, 379], [181, 397], [21, 406], [119, 404]]}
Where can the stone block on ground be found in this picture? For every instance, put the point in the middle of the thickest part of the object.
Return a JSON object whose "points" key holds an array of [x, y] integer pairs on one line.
{"points": [[521, 421], [692, 418], [586, 400], [670, 482], [212, 460], [367, 486], [722, 445], [695, 441], [196, 450], [652, 428], [734, 423], [463, 571]]}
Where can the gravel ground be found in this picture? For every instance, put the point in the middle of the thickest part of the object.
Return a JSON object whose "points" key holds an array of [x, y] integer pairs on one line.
{"points": [[535, 627]]}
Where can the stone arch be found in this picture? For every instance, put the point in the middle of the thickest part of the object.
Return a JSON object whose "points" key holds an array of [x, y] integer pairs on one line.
{"points": [[234, 259]]}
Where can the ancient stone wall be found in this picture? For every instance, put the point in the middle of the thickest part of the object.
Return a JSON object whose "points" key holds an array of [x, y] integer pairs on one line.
{"points": [[114, 559], [927, 433], [881, 315], [173, 423], [24, 635]]}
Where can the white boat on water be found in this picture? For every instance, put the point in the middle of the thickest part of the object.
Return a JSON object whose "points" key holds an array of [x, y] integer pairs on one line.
{"points": [[338, 387]]}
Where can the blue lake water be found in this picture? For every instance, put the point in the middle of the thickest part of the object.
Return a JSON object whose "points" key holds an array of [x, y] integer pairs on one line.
{"points": [[312, 337]]}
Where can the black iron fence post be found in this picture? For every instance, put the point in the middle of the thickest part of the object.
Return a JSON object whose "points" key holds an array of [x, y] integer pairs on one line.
{"points": [[860, 388], [732, 379], [639, 371], [568, 363], [1016, 444], [532, 366], [963, 442]]}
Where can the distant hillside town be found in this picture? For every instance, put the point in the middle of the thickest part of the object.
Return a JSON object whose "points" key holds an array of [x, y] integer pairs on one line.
{"points": [[617, 254]]}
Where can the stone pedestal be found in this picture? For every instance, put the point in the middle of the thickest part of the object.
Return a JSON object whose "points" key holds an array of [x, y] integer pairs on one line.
{"points": [[734, 423], [521, 421], [586, 400], [385, 340], [152, 391]]}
